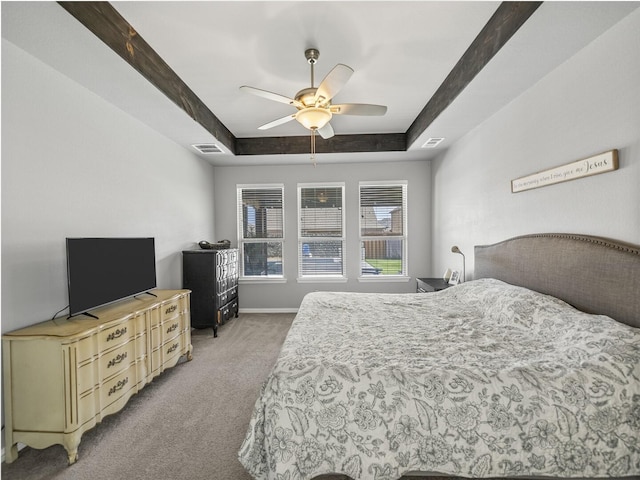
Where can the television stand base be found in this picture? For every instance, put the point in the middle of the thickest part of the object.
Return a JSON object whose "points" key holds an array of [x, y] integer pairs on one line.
{"points": [[84, 313], [146, 293]]}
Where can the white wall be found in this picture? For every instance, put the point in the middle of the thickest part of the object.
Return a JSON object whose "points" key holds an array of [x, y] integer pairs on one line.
{"points": [[588, 105], [289, 295], [73, 166]]}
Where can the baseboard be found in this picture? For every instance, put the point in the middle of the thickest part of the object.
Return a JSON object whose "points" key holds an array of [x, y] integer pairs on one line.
{"points": [[268, 310]]}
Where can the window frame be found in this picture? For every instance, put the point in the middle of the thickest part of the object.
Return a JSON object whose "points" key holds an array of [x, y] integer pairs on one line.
{"points": [[328, 278], [280, 278], [404, 275]]}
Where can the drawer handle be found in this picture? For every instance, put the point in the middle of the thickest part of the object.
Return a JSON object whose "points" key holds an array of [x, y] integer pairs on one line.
{"points": [[173, 348], [171, 309], [118, 359], [117, 334], [172, 328], [118, 386]]}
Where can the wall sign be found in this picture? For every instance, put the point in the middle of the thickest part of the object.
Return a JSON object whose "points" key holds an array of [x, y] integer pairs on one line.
{"points": [[604, 162]]}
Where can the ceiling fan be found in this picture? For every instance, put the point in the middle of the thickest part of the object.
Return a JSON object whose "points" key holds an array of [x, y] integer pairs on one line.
{"points": [[313, 104]]}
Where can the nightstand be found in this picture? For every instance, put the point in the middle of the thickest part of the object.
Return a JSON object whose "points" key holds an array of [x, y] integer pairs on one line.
{"points": [[426, 285]]}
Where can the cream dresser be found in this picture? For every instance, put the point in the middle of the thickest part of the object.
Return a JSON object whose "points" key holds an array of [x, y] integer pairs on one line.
{"points": [[62, 377]]}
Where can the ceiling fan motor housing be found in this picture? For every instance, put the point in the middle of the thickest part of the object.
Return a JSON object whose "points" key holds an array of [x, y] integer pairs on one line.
{"points": [[307, 96]]}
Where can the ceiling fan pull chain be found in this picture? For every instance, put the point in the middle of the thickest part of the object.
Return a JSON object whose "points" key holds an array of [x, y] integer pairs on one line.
{"points": [[313, 146]]}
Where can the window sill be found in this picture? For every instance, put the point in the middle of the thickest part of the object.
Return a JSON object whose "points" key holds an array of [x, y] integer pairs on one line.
{"points": [[384, 278], [261, 280], [322, 279]]}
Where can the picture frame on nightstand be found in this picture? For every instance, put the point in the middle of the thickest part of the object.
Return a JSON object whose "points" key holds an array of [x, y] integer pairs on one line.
{"points": [[455, 278], [446, 275]]}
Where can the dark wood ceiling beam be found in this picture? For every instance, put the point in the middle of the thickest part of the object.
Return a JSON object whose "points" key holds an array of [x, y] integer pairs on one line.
{"points": [[384, 142], [506, 21], [110, 27]]}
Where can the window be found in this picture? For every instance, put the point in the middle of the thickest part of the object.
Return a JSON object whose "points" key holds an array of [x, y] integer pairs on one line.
{"points": [[260, 230], [321, 240], [383, 229]]}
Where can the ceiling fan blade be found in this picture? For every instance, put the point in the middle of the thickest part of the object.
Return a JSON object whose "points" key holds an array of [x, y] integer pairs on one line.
{"points": [[271, 96], [326, 131], [277, 122], [358, 109], [332, 83]]}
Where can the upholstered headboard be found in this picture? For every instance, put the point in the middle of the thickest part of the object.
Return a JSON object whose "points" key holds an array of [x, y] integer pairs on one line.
{"points": [[595, 275]]}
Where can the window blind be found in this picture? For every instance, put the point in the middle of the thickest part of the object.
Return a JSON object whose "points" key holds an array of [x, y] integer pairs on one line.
{"points": [[261, 230], [383, 227], [320, 230]]}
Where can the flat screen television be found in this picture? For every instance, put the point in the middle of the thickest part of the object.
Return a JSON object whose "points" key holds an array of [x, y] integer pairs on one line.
{"points": [[103, 270]]}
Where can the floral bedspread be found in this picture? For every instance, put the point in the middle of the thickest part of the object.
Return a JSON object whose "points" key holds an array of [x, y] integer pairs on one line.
{"points": [[480, 380]]}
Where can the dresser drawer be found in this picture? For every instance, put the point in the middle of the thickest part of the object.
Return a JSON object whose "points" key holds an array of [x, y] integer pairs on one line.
{"points": [[118, 386], [219, 272], [172, 326], [168, 330], [170, 309], [171, 329], [171, 351], [167, 354], [117, 335], [223, 298], [117, 360]]}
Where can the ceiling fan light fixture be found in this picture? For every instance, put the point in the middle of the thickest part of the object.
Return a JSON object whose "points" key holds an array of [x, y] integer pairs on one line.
{"points": [[313, 118], [314, 103]]}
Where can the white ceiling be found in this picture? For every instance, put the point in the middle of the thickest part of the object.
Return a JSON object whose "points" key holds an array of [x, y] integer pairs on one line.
{"points": [[401, 52]]}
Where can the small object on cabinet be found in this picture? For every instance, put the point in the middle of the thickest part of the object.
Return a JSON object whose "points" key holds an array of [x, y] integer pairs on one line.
{"points": [[455, 278], [220, 245]]}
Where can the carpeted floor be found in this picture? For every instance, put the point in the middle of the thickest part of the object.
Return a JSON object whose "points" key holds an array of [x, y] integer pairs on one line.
{"points": [[187, 424]]}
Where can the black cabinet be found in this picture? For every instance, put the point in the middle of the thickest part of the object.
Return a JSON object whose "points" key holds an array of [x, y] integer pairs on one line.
{"points": [[212, 277]]}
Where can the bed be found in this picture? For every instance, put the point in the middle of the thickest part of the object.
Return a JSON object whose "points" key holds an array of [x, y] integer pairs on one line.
{"points": [[498, 377]]}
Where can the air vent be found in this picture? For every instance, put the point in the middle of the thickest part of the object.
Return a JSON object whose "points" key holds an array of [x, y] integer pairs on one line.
{"points": [[432, 142], [207, 148]]}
